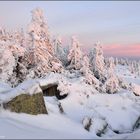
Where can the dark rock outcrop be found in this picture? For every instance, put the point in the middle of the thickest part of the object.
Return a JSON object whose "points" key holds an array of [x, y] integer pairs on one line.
{"points": [[25, 103], [51, 90], [137, 124]]}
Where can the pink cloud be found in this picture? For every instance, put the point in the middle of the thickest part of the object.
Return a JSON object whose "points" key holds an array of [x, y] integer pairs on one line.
{"points": [[122, 50]]}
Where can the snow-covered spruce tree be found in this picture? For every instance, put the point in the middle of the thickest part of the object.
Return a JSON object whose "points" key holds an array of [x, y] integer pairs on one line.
{"points": [[127, 61], [138, 68], [16, 44], [10, 41], [97, 62], [40, 53], [7, 63], [20, 69], [116, 61], [122, 61], [106, 60], [59, 51], [87, 73], [3, 34], [112, 82], [132, 67], [19, 37], [135, 65], [75, 55], [80, 62]]}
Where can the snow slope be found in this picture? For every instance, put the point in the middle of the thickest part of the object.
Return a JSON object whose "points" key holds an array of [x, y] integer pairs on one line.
{"points": [[119, 111], [123, 71], [41, 126]]}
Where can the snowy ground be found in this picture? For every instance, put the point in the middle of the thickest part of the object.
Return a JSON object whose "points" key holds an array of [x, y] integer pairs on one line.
{"points": [[120, 111], [123, 71]]}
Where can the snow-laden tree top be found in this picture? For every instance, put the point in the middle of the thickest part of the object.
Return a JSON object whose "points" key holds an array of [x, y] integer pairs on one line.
{"points": [[1, 30], [75, 42], [98, 48], [97, 61], [38, 28], [37, 15], [75, 54], [41, 50], [59, 39]]}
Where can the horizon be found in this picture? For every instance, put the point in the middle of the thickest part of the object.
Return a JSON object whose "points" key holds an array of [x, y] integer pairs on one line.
{"points": [[114, 24]]}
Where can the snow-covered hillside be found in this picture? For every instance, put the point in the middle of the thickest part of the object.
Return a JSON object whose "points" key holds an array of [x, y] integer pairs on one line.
{"points": [[83, 96], [118, 112]]}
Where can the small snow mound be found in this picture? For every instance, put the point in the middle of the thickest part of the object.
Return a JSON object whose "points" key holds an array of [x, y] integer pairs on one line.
{"points": [[136, 89], [87, 123], [34, 89], [98, 126]]}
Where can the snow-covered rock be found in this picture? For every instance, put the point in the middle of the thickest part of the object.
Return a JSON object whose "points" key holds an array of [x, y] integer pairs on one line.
{"points": [[87, 123], [135, 89], [98, 126], [123, 84]]}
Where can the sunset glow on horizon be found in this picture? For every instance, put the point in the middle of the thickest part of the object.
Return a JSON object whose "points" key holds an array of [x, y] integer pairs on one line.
{"points": [[116, 24], [118, 50]]}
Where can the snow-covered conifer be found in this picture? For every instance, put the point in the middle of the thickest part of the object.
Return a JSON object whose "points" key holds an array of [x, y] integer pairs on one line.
{"points": [[116, 61], [112, 82], [97, 61], [87, 73], [7, 63], [40, 54], [59, 50], [75, 55]]}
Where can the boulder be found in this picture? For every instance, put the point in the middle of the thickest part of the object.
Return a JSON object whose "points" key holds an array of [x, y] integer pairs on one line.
{"points": [[135, 89], [25, 103]]}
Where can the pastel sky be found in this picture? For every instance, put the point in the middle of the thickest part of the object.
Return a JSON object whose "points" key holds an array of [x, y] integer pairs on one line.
{"points": [[116, 24]]}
